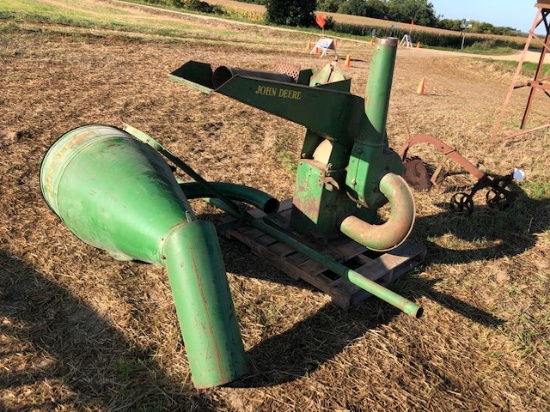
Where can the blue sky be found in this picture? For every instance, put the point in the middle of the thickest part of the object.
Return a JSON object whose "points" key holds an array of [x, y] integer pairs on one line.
{"points": [[518, 14]]}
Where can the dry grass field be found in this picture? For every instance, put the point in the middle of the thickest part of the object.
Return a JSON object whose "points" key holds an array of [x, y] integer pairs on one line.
{"points": [[81, 331]]}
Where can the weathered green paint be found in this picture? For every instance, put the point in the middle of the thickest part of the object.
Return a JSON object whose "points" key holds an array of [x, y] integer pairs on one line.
{"points": [[312, 107], [119, 195], [318, 206], [207, 318], [396, 229]]}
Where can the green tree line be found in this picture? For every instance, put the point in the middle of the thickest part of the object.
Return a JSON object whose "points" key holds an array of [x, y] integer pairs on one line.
{"points": [[422, 12], [303, 12]]}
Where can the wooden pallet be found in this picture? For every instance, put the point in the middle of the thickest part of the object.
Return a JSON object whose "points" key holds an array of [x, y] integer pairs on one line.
{"points": [[382, 268]]}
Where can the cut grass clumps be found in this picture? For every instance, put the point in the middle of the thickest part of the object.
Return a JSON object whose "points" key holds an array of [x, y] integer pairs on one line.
{"points": [[288, 161]]}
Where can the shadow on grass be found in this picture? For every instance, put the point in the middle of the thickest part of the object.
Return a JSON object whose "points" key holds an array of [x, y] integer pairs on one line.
{"points": [[485, 234], [315, 340], [98, 367], [77, 357]]}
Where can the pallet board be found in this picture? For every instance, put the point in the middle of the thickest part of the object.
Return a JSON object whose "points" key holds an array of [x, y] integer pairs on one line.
{"points": [[382, 268]]}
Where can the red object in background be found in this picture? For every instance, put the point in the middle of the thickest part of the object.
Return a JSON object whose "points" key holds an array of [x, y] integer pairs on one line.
{"points": [[320, 20]]}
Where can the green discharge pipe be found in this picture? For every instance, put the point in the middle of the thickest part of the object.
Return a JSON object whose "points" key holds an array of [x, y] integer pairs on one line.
{"points": [[400, 302], [369, 158], [396, 229], [119, 195]]}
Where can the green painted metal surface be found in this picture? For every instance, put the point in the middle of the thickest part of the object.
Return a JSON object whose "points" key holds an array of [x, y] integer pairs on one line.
{"points": [[261, 200], [204, 307], [312, 107], [396, 229], [346, 170], [119, 195], [318, 204], [370, 157]]}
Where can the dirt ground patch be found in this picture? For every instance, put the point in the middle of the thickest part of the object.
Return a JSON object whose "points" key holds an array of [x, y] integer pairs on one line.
{"points": [[80, 331]]}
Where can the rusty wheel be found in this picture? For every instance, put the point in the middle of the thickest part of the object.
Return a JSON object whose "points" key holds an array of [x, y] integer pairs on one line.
{"points": [[500, 198], [462, 202]]}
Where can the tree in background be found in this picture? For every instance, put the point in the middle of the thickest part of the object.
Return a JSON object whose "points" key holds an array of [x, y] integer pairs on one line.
{"points": [[291, 12], [419, 11], [353, 7], [376, 9], [449, 24], [328, 5]]}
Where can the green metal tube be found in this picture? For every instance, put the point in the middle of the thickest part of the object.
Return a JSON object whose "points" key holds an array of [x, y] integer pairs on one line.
{"points": [[203, 303], [377, 93], [119, 195], [400, 302], [250, 195], [370, 157]]}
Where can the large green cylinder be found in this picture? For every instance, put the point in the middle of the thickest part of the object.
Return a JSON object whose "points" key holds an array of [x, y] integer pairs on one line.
{"points": [[118, 194]]}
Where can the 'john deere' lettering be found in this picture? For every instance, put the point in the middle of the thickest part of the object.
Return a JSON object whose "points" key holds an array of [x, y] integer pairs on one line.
{"points": [[266, 91], [290, 94], [275, 92]]}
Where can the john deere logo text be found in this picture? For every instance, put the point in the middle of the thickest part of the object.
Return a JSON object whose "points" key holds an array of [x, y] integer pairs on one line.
{"points": [[275, 92]]}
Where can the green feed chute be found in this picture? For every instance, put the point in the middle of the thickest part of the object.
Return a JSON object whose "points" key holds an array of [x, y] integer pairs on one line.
{"points": [[118, 194]]}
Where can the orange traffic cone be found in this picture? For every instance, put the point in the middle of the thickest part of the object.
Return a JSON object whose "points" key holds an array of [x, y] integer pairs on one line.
{"points": [[371, 42], [418, 45], [420, 89], [316, 51], [308, 48], [348, 61]]}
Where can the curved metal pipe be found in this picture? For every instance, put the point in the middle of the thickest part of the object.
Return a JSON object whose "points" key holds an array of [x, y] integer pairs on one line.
{"points": [[396, 229], [250, 195]]}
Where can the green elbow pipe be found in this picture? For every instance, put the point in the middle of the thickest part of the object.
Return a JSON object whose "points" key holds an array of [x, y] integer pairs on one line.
{"points": [[250, 195], [396, 229]]}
